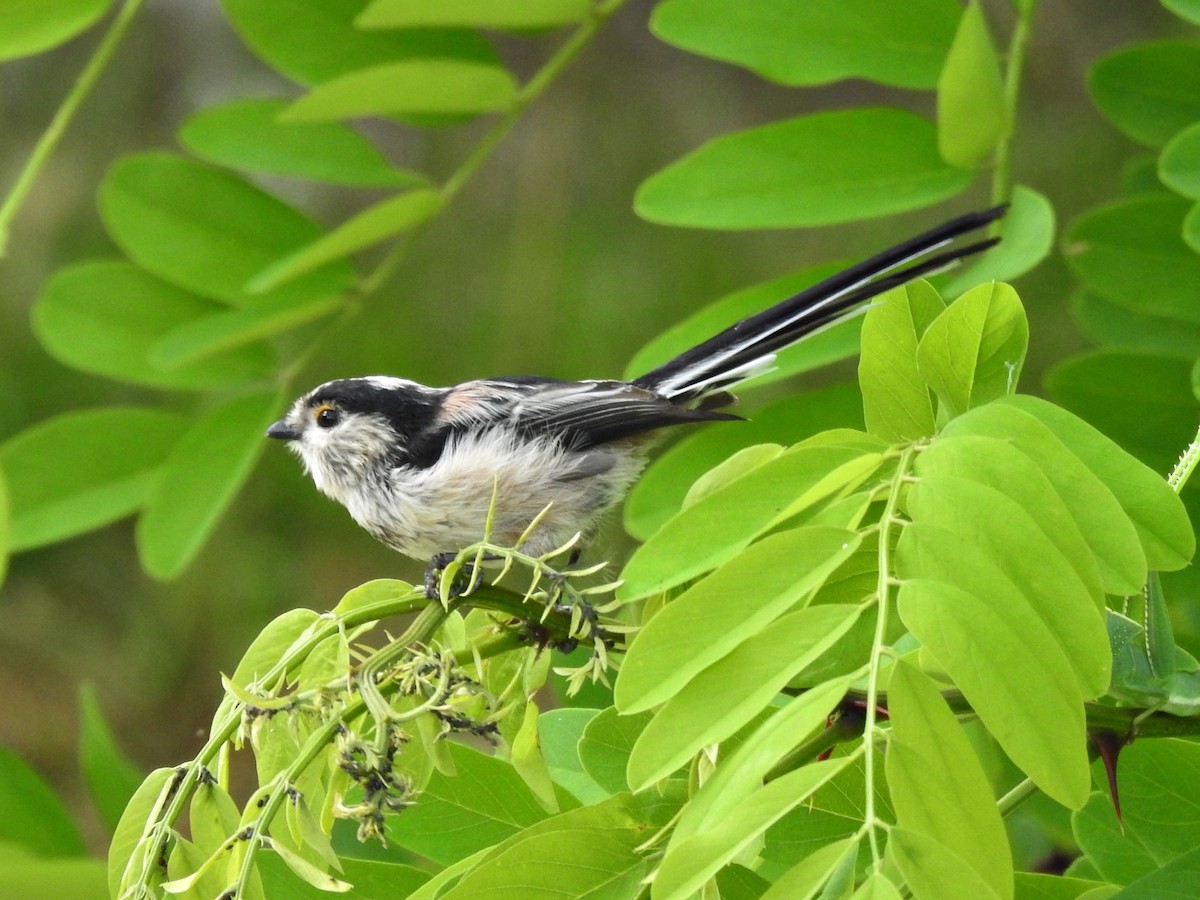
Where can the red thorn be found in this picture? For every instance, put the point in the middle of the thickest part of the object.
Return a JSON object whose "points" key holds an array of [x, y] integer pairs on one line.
{"points": [[1108, 745]]}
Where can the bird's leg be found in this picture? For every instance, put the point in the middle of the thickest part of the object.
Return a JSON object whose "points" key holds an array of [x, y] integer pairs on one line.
{"points": [[462, 584]]}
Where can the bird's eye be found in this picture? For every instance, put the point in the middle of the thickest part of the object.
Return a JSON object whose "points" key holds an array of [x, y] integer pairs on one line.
{"points": [[327, 416]]}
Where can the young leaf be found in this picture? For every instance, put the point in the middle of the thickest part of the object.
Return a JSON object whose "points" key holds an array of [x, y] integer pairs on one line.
{"points": [[31, 815], [697, 858], [528, 761], [207, 230], [1150, 91], [312, 41], [199, 480], [1026, 695], [29, 28], [956, 808], [737, 601], [1132, 252], [127, 837], [560, 733], [103, 317], [820, 169], [659, 493], [605, 746], [1101, 522], [973, 352], [741, 774], [897, 405], [372, 879], [438, 86], [501, 14], [372, 225], [877, 40], [307, 872], [247, 134], [715, 529], [1026, 238], [484, 803], [972, 112], [231, 329], [78, 471], [213, 817], [933, 870], [805, 880], [729, 693], [111, 778]]}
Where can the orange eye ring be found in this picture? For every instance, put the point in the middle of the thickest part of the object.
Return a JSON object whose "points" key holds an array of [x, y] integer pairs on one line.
{"points": [[326, 416]]}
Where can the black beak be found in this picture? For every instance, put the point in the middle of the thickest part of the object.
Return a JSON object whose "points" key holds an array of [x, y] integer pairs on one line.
{"points": [[282, 431]]}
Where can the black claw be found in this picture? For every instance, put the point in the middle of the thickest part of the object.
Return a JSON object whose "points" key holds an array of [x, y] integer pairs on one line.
{"points": [[433, 575]]}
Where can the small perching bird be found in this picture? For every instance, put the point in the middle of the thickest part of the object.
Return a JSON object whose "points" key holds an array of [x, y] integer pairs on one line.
{"points": [[421, 468]]}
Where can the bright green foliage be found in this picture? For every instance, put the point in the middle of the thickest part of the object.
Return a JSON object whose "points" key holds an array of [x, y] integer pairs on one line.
{"points": [[247, 134], [1026, 238], [1150, 91], [972, 109], [32, 818], [472, 13], [875, 39], [815, 170], [111, 778], [27, 26]]}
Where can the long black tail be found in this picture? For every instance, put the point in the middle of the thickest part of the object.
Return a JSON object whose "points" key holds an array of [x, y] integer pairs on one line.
{"points": [[748, 347]]}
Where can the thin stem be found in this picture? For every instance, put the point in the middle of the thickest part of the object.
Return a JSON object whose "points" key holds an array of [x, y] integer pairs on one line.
{"points": [[1017, 48], [62, 117], [1016, 796], [887, 522]]}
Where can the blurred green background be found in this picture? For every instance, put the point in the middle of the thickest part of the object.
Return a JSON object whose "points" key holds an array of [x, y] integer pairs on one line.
{"points": [[540, 266]]}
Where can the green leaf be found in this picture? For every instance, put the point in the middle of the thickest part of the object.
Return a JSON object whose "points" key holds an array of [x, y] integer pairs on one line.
{"points": [[1151, 415], [127, 838], [200, 479], [372, 879], [933, 870], [730, 692], [1156, 511], [605, 746], [660, 492], [1121, 328], [5, 527], [877, 887], [897, 405], [1010, 450], [207, 230], [103, 317], [956, 808], [502, 14], [372, 225], [1185, 9], [307, 872], [877, 40], [213, 817], [527, 759], [27, 27], [560, 732], [973, 352], [698, 857], [718, 527], [484, 803], [739, 883], [1179, 163], [737, 601], [111, 778], [1132, 252], [805, 879], [838, 342], [972, 112], [740, 463], [247, 134], [739, 775], [1116, 855], [425, 86], [377, 590], [1178, 878], [588, 854], [1150, 91], [312, 41], [1030, 565], [79, 471], [1036, 886], [1025, 695], [820, 169], [1026, 238], [31, 815]]}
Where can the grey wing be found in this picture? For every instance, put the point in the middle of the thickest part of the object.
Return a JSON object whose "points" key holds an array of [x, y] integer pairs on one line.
{"points": [[583, 414]]}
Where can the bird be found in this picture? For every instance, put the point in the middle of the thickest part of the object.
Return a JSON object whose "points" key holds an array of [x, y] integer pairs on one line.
{"points": [[431, 471]]}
